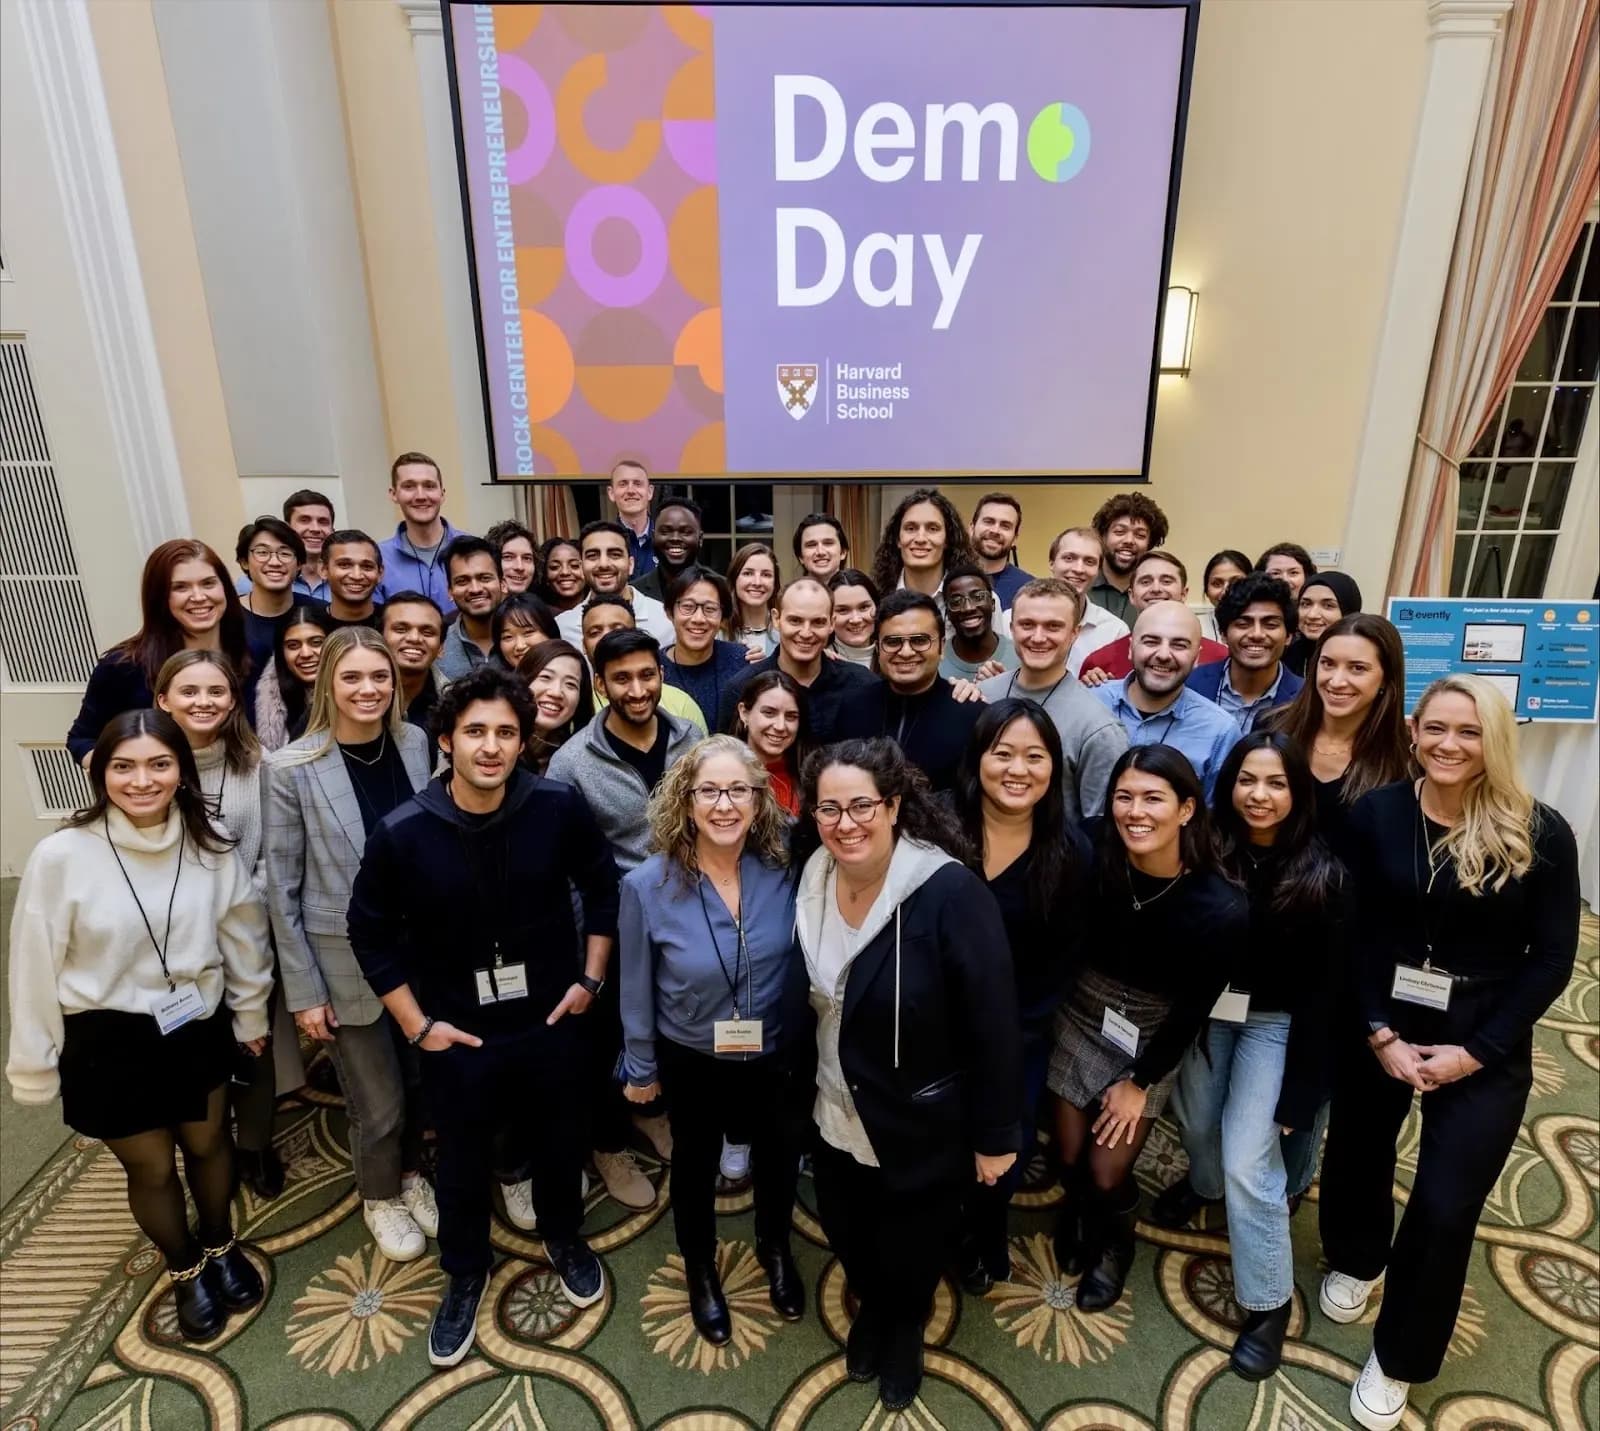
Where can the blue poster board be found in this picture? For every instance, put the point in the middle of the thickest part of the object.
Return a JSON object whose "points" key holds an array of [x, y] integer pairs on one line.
{"points": [[1544, 656]]}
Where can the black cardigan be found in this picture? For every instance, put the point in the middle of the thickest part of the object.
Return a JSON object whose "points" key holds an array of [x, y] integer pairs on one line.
{"points": [[115, 685], [957, 1090]]}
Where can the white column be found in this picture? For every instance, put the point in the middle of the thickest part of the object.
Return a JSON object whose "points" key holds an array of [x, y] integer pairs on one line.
{"points": [[485, 505], [1462, 40], [83, 155]]}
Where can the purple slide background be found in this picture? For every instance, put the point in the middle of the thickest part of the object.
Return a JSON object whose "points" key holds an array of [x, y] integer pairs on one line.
{"points": [[1046, 364]]}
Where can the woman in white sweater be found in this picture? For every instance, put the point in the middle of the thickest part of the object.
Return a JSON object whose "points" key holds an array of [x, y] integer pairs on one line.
{"points": [[135, 924], [201, 691]]}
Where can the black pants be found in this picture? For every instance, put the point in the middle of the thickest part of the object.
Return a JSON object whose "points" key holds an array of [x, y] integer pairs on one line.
{"points": [[708, 1098], [607, 1111], [984, 1217], [528, 1083], [1468, 1128], [893, 1246]]}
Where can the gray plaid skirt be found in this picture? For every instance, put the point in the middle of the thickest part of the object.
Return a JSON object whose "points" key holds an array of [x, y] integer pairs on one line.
{"points": [[1084, 1062]]}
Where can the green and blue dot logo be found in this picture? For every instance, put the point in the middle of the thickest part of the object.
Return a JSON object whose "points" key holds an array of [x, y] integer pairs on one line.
{"points": [[1058, 142]]}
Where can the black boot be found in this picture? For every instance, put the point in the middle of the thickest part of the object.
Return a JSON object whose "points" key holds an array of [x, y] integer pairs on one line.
{"points": [[785, 1286], [707, 1305], [198, 1299], [863, 1349], [1178, 1204], [1070, 1231], [901, 1376], [261, 1172], [1110, 1252], [1259, 1350], [238, 1283]]}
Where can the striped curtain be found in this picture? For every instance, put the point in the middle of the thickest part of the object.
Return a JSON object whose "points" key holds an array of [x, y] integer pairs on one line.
{"points": [[551, 512], [1535, 167], [851, 503]]}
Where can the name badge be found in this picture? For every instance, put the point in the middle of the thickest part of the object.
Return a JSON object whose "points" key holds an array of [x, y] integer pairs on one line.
{"points": [[1232, 1006], [1427, 987], [736, 1036], [502, 984], [174, 1010], [1124, 1033]]}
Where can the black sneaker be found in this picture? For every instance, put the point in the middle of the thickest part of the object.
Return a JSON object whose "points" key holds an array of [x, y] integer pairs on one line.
{"points": [[582, 1278], [450, 1337]]}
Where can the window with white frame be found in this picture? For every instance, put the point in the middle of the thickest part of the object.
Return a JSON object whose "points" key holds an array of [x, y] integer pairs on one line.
{"points": [[1516, 483]]}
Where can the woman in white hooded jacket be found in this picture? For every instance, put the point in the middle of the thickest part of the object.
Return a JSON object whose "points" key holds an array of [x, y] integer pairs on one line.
{"points": [[917, 1074]]}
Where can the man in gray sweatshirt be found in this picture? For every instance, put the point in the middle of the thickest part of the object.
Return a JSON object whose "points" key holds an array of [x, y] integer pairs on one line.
{"points": [[1044, 622]]}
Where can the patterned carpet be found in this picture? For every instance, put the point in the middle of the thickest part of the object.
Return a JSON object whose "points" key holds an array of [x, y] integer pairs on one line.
{"points": [[87, 1338]]}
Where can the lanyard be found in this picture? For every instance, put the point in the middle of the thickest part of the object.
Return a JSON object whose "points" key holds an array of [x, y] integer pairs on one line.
{"points": [[1425, 895], [741, 950], [416, 556], [1043, 700], [161, 947], [493, 891], [213, 803]]}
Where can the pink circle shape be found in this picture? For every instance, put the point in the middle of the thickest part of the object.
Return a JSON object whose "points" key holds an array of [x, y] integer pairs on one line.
{"points": [[529, 158], [616, 201]]}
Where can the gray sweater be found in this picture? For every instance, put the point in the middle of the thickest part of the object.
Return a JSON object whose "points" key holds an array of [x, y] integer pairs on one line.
{"points": [[1091, 737], [612, 787]]}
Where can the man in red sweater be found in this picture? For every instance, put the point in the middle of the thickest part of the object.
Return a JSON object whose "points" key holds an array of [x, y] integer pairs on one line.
{"points": [[1157, 576]]}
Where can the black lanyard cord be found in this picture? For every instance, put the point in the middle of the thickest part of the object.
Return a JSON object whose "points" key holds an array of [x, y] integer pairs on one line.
{"points": [[160, 946], [741, 951]]}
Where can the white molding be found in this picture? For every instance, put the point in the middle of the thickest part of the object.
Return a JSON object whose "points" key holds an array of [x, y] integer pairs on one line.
{"points": [[423, 16], [1452, 103], [83, 155]]}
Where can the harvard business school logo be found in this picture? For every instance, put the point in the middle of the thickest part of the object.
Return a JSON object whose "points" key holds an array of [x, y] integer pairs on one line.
{"points": [[796, 383]]}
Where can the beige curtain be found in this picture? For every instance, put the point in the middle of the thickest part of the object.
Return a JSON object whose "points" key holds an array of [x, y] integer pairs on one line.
{"points": [[1533, 177], [551, 511]]}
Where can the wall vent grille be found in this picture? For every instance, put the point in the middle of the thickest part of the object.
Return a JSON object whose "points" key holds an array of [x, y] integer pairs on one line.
{"points": [[58, 783]]}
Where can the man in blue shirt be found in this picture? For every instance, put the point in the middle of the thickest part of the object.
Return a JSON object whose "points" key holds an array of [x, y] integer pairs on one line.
{"points": [[413, 558], [1155, 705], [630, 491], [1256, 618], [996, 524]]}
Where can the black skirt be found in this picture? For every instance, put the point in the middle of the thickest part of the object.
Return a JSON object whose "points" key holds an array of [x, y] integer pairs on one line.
{"points": [[120, 1075]]}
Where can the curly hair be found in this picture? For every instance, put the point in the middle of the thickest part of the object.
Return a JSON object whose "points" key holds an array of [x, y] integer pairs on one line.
{"points": [[671, 809], [1135, 507], [887, 564]]}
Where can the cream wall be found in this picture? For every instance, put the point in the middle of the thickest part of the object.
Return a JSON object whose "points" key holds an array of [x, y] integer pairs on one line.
{"points": [[1300, 133]]}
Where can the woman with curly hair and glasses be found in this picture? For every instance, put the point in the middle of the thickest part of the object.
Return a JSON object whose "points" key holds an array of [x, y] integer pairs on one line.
{"points": [[706, 935], [923, 538]]}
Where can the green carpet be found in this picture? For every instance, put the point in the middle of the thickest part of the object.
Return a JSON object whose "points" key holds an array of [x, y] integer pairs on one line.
{"points": [[87, 1338]]}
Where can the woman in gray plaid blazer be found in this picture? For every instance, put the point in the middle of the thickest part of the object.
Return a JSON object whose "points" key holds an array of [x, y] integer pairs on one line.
{"points": [[321, 796]]}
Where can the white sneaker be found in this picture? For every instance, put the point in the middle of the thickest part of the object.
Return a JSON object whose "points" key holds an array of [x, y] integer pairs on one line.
{"points": [[1343, 1298], [417, 1194], [519, 1205], [1377, 1401], [735, 1164], [394, 1229]]}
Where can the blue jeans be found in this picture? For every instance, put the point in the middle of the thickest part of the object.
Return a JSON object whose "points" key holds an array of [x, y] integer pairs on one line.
{"points": [[1226, 1111], [1300, 1149]]}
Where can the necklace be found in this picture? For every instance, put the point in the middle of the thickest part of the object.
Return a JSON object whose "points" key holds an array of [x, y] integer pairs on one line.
{"points": [[1138, 903], [383, 742]]}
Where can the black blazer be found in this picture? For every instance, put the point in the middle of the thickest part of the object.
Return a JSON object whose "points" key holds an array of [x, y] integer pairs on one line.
{"points": [[958, 1087]]}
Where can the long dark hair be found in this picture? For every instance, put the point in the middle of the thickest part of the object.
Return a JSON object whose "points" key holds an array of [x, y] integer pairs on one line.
{"points": [[521, 608], [159, 635], [1306, 873], [190, 801], [887, 565], [540, 585], [1052, 869], [752, 691], [921, 817], [542, 744], [295, 693], [1196, 851], [1380, 753]]}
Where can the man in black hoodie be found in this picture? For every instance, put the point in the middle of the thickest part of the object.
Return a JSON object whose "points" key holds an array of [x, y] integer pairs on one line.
{"points": [[462, 920]]}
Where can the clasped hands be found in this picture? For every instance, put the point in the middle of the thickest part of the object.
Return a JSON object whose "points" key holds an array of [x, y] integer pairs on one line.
{"points": [[1425, 1066]]}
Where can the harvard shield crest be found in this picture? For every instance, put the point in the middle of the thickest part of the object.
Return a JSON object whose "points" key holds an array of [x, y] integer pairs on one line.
{"points": [[797, 385]]}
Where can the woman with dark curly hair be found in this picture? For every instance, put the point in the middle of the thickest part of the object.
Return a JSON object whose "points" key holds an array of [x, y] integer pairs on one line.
{"points": [[923, 538], [918, 1087], [560, 581]]}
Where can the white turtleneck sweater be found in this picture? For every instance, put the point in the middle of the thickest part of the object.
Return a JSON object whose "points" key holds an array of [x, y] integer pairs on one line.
{"points": [[78, 942], [241, 807]]}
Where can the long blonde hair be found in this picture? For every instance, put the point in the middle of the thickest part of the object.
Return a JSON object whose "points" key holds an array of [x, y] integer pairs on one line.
{"points": [[323, 711], [671, 810], [1492, 843]]}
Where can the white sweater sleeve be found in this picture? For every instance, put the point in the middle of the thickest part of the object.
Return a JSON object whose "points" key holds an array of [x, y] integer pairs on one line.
{"points": [[40, 927], [246, 954]]}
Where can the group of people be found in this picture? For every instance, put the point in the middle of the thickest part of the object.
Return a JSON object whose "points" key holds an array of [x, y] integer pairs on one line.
{"points": [[562, 848]]}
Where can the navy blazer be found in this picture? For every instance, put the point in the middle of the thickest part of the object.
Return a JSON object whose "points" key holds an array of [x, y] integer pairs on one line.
{"points": [[1207, 681]]}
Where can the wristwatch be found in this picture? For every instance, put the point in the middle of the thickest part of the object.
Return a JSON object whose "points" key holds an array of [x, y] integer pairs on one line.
{"points": [[594, 986]]}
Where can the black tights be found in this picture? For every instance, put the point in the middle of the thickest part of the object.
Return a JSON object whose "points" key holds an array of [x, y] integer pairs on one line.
{"points": [[1108, 1168], [155, 1195]]}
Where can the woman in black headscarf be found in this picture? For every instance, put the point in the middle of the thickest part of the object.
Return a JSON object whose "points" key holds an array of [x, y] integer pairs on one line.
{"points": [[1324, 598]]}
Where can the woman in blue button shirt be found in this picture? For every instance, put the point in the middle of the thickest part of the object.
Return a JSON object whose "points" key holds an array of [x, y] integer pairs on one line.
{"points": [[707, 938]]}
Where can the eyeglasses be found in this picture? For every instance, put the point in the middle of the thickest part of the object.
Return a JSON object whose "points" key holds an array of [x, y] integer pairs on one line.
{"points": [[861, 810], [265, 555], [921, 643], [713, 609], [967, 603], [711, 795]]}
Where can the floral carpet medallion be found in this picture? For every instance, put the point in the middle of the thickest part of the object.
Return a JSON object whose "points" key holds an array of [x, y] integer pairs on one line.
{"points": [[88, 1337]]}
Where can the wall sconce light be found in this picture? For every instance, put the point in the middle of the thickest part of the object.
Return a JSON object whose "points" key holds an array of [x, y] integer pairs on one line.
{"points": [[1177, 331]]}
